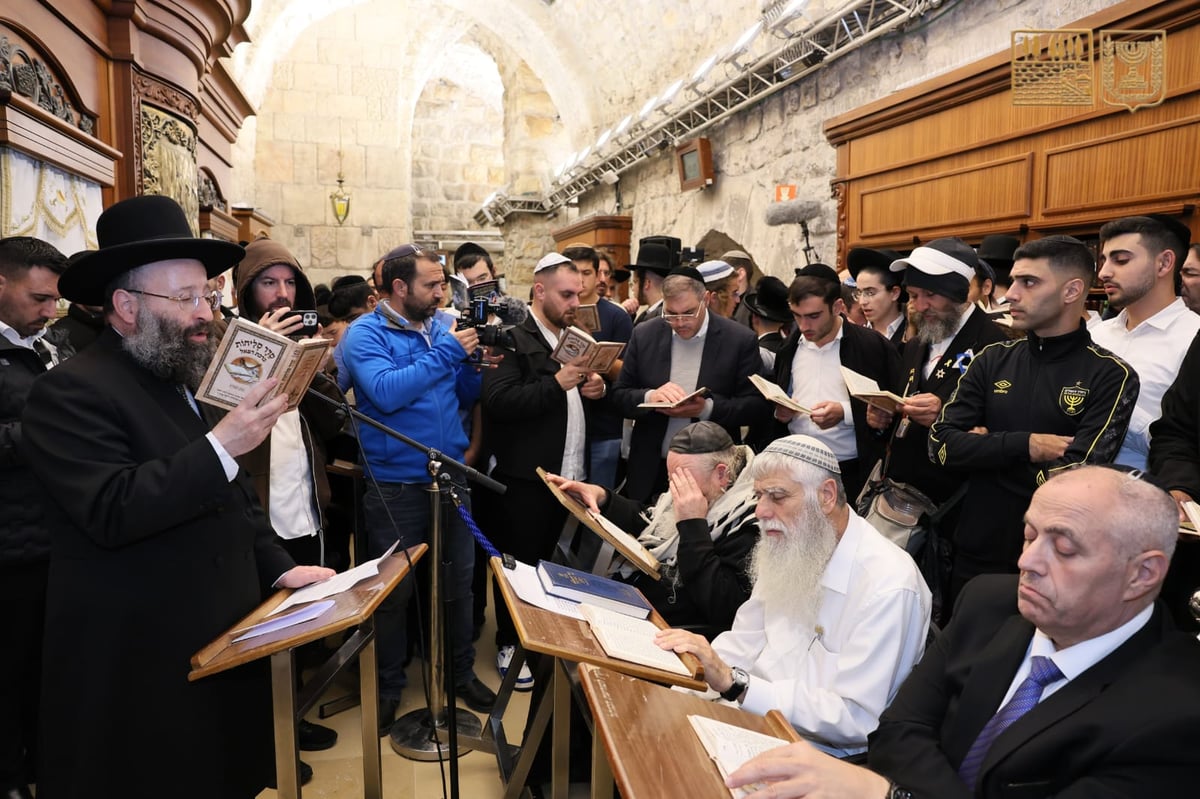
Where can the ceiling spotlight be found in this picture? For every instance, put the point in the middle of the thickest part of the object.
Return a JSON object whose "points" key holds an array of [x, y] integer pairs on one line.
{"points": [[647, 108], [792, 12], [603, 140], [742, 45], [622, 126], [669, 95], [700, 74]]}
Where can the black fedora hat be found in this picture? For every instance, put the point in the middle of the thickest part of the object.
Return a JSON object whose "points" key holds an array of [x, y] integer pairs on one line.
{"points": [[861, 257], [998, 252], [770, 300], [135, 232], [654, 257]]}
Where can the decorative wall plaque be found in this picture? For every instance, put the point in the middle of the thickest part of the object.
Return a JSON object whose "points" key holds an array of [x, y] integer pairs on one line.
{"points": [[168, 163], [1133, 70], [1052, 67]]}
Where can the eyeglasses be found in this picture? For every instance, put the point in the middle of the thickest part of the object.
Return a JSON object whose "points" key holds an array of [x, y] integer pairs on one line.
{"points": [[673, 318], [186, 303], [869, 294]]}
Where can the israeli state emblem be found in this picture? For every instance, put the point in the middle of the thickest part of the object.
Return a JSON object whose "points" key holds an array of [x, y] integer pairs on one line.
{"points": [[1133, 71], [1070, 401]]}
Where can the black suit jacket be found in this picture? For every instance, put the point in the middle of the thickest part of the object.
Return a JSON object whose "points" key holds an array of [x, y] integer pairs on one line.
{"points": [[155, 554], [729, 357], [867, 353], [1126, 727], [909, 462], [524, 407]]}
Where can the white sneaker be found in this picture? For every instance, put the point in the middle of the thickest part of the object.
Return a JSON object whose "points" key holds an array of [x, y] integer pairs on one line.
{"points": [[524, 678]]}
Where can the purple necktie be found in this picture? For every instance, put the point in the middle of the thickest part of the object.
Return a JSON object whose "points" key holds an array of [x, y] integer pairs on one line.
{"points": [[1042, 672]]}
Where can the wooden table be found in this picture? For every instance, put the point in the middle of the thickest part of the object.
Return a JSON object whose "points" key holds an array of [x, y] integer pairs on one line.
{"points": [[566, 641], [354, 607], [643, 738]]}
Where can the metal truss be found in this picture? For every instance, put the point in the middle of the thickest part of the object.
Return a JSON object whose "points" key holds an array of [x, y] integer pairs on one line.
{"points": [[796, 56]]}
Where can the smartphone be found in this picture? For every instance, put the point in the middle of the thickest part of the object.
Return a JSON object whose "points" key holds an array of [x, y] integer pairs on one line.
{"points": [[310, 322]]}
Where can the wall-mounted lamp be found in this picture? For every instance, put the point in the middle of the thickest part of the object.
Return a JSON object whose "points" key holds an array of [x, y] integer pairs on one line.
{"points": [[340, 198]]}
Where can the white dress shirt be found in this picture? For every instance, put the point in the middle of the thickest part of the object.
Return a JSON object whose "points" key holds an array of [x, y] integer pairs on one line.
{"points": [[1155, 349], [822, 381], [833, 682], [291, 491], [572, 460]]}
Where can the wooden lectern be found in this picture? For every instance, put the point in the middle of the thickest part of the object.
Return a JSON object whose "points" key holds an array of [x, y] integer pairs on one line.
{"points": [[354, 607]]}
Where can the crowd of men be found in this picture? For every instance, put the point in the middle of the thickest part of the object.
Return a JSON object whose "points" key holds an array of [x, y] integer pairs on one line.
{"points": [[1005, 655]]}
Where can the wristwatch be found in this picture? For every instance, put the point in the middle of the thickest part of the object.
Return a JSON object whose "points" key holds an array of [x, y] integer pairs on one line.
{"points": [[896, 792], [741, 680]]}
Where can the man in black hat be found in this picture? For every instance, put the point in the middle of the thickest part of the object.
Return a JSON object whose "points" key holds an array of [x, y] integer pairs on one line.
{"points": [[809, 368], [159, 545], [654, 262], [769, 318], [1026, 410], [667, 359], [877, 289]]}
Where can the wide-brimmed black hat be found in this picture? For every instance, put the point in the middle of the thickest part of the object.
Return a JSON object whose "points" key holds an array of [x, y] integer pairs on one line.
{"points": [[770, 300], [652, 257], [135, 232], [860, 257], [998, 252]]}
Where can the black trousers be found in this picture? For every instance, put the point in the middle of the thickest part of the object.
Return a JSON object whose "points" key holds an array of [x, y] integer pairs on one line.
{"points": [[22, 621]]}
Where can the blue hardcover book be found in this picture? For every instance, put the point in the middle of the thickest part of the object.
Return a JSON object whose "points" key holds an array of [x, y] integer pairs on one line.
{"points": [[580, 586]]}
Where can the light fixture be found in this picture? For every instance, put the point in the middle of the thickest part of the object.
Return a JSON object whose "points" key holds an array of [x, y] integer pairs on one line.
{"points": [[340, 198], [742, 45], [700, 74], [647, 108], [792, 12], [669, 94], [603, 139]]}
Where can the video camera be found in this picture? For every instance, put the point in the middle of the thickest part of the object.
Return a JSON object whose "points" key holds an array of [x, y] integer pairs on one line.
{"points": [[477, 303]]}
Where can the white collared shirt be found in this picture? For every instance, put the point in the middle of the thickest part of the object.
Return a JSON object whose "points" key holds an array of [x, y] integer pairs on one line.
{"points": [[1155, 349], [26, 342], [1074, 660], [291, 491], [822, 381], [572, 460], [832, 682]]}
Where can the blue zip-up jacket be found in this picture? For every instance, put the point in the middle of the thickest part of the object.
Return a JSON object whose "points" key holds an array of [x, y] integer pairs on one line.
{"points": [[409, 385]]}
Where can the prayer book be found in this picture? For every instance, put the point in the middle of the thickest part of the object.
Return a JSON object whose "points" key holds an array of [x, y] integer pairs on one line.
{"points": [[249, 353], [626, 638], [588, 317], [1192, 526], [700, 392], [730, 746], [867, 390], [581, 586], [776, 394], [578, 348]]}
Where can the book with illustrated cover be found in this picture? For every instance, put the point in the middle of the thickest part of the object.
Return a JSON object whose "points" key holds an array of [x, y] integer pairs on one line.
{"points": [[626, 638], [700, 392], [867, 390], [249, 353], [776, 394], [588, 317], [581, 586], [578, 348]]}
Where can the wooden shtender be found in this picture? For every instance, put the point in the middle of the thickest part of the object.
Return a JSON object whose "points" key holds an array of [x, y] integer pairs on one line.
{"points": [[644, 743], [635, 553]]}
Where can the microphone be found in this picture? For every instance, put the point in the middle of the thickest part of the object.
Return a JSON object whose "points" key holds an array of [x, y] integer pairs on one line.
{"points": [[512, 310], [792, 212]]}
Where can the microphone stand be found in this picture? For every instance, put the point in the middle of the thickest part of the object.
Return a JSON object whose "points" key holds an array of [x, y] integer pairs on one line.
{"points": [[418, 734]]}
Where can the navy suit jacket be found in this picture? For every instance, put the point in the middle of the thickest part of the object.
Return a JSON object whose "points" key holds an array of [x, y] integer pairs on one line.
{"points": [[1126, 727], [730, 356]]}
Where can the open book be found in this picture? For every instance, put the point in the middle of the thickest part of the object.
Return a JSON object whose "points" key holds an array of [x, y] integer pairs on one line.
{"points": [[730, 746], [577, 347], [700, 392], [588, 317], [249, 353], [626, 638], [866, 389], [1192, 511], [776, 394], [625, 544]]}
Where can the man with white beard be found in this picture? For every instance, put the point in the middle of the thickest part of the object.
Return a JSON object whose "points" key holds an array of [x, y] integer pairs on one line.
{"points": [[838, 615]]}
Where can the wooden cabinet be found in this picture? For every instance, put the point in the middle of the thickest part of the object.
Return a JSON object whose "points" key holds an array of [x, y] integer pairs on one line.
{"points": [[603, 232]]}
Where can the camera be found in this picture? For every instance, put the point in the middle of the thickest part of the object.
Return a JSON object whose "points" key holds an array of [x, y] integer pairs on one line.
{"points": [[476, 315]]}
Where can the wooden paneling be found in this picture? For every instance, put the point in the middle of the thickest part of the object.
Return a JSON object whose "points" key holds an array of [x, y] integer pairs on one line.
{"points": [[1143, 167], [991, 191], [28, 128]]}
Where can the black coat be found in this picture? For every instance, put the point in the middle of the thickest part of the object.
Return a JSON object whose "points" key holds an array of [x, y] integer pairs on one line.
{"points": [[23, 537], [1123, 728], [729, 357], [155, 554]]}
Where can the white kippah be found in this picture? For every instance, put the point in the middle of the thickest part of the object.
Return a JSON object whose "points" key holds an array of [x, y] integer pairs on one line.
{"points": [[807, 449], [712, 271], [549, 260]]}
